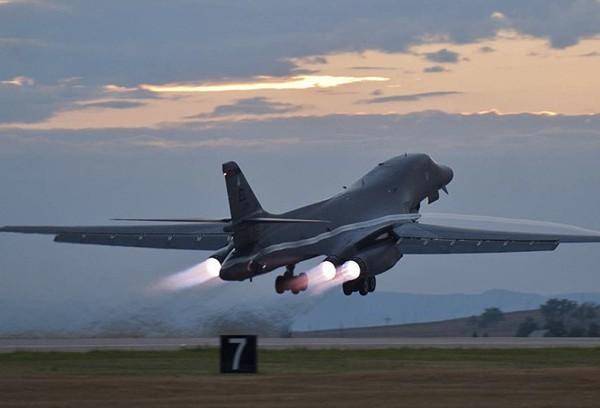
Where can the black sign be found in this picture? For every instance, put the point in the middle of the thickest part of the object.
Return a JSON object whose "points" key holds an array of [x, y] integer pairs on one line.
{"points": [[238, 354]]}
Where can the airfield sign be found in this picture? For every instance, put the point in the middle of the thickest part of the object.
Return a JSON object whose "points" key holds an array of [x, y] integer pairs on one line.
{"points": [[238, 354]]}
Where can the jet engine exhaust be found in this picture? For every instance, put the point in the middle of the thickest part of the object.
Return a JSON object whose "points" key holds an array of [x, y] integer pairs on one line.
{"points": [[326, 276], [350, 270], [323, 272], [203, 273]]}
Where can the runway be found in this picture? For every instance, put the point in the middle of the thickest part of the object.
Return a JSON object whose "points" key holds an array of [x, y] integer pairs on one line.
{"points": [[177, 343]]}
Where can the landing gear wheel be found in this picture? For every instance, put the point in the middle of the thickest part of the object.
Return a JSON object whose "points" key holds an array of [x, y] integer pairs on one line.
{"points": [[288, 281], [347, 288], [280, 284], [302, 282], [363, 287], [372, 283]]}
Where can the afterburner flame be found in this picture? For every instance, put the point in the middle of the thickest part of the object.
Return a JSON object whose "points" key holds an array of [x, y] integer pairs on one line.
{"points": [[205, 272], [326, 276], [323, 272], [350, 270]]}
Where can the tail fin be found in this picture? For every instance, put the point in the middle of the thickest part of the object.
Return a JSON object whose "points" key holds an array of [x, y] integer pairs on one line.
{"points": [[242, 201], [248, 219]]}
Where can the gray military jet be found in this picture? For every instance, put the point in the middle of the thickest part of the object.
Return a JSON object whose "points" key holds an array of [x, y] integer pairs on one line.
{"points": [[361, 232]]}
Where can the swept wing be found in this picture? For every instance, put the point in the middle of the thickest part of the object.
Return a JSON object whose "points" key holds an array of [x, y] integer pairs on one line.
{"points": [[173, 236], [418, 238]]}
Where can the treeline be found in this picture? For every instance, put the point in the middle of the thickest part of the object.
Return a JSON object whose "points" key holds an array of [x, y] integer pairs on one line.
{"points": [[564, 318]]}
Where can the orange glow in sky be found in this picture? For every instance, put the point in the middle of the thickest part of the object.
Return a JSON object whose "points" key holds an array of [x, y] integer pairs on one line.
{"points": [[296, 82], [510, 73]]}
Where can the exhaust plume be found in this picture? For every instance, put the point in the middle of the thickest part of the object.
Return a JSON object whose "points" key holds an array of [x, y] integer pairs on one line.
{"points": [[325, 276], [325, 271], [203, 273], [350, 270]]}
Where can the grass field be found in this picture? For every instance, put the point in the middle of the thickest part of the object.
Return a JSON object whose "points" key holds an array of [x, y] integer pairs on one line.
{"points": [[344, 378]]}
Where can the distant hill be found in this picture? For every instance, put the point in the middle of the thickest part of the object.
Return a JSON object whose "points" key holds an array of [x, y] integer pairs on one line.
{"points": [[213, 311], [387, 308], [463, 327]]}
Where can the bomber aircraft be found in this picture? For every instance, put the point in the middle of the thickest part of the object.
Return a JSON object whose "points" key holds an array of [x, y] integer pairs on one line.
{"points": [[361, 232]]}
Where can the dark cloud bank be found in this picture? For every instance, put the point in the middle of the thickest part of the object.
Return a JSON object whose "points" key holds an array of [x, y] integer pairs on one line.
{"points": [[151, 41]]}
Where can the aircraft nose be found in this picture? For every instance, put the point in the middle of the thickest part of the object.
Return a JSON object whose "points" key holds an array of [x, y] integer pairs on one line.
{"points": [[447, 174]]}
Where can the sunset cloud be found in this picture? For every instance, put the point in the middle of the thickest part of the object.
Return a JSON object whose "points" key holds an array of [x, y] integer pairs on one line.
{"points": [[265, 83], [444, 56], [249, 106], [409, 97], [18, 81]]}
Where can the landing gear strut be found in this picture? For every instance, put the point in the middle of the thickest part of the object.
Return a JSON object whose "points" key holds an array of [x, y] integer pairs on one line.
{"points": [[362, 285], [288, 281]]}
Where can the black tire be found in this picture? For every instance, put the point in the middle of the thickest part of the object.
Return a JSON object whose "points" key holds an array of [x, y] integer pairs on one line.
{"points": [[279, 285], [295, 292], [347, 288], [372, 283], [363, 286]]}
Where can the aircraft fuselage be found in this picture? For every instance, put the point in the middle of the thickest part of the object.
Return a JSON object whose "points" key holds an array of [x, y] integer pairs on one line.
{"points": [[391, 192]]}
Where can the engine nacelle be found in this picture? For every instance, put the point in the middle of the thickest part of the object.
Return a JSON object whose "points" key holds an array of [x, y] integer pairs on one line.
{"points": [[377, 258], [223, 253]]}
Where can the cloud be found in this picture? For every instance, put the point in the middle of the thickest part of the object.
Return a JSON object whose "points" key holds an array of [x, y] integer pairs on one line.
{"points": [[180, 42], [130, 92], [111, 105], [498, 16], [315, 60], [190, 41], [444, 56], [486, 49], [264, 83], [18, 81], [371, 68], [434, 69], [249, 106], [421, 131], [23, 100], [409, 97]]}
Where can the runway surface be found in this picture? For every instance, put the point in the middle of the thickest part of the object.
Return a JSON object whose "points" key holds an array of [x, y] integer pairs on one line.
{"points": [[175, 343]]}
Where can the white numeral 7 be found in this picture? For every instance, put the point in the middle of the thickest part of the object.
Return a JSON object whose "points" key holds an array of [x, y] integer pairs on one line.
{"points": [[241, 342]]}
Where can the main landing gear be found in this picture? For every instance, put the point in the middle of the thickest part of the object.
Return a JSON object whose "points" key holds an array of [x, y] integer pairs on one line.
{"points": [[362, 285], [289, 281]]}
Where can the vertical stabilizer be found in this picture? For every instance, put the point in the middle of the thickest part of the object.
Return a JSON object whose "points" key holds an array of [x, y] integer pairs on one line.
{"points": [[242, 201]]}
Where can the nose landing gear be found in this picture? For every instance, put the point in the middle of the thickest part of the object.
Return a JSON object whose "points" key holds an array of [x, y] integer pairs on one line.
{"points": [[362, 285], [291, 282]]}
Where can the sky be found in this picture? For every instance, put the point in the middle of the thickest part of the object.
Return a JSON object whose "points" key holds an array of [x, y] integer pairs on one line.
{"points": [[116, 108]]}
